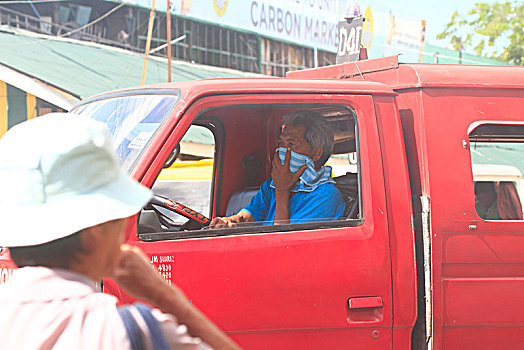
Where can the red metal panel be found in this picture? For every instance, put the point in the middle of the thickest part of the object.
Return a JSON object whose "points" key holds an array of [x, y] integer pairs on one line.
{"points": [[500, 338], [190, 90], [412, 75], [438, 103], [346, 70], [400, 219], [473, 287], [282, 288], [330, 339], [474, 302]]}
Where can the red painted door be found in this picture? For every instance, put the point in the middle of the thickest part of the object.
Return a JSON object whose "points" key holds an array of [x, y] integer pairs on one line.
{"points": [[325, 286]]}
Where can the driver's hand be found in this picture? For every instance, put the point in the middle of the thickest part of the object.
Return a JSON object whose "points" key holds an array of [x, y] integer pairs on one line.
{"points": [[224, 222], [283, 178]]}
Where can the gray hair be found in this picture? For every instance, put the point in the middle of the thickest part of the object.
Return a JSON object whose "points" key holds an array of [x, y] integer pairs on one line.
{"points": [[318, 134]]}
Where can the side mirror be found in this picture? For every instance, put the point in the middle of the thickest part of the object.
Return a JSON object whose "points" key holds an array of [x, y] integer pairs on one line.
{"points": [[172, 157]]}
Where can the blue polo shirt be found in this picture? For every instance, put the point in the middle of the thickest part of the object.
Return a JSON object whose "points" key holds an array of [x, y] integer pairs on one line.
{"points": [[325, 203]]}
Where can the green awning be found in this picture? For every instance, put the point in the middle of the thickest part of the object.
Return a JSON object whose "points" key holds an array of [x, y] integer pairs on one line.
{"points": [[84, 69]]}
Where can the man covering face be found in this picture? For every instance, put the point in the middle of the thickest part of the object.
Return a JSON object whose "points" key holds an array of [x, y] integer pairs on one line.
{"points": [[300, 188]]}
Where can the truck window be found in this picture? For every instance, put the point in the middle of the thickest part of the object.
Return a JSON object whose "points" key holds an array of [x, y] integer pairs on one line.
{"points": [[188, 179], [226, 157], [498, 171]]}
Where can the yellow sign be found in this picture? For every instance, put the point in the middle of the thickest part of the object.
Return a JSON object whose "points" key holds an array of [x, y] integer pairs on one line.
{"points": [[220, 6], [367, 29]]}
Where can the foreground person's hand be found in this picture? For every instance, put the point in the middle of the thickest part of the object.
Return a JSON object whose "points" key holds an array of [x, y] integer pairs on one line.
{"points": [[136, 276]]}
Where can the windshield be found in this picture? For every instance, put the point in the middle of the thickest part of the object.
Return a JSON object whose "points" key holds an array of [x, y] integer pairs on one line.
{"points": [[131, 120]]}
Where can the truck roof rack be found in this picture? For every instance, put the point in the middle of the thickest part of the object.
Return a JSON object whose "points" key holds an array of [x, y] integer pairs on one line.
{"points": [[399, 76], [347, 70]]}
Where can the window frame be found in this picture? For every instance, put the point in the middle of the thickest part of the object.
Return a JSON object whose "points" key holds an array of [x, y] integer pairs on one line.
{"points": [[490, 132], [346, 101], [212, 128]]}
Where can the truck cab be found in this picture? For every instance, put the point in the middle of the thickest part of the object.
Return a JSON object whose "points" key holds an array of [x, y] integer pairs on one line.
{"points": [[306, 284]]}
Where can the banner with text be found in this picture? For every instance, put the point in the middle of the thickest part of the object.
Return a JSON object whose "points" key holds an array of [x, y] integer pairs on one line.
{"points": [[303, 22]]}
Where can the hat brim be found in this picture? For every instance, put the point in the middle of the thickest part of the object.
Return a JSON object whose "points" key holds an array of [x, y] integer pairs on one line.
{"points": [[37, 224]]}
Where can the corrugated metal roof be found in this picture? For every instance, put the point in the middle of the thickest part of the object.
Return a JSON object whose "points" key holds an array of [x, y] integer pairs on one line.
{"points": [[84, 69]]}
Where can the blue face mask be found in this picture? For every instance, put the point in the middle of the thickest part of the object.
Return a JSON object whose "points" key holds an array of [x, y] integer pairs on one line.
{"points": [[311, 178], [297, 160]]}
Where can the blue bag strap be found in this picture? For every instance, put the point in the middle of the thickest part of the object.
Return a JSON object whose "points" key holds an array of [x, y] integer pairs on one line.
{"points": [[133, 331], [157, 335]]}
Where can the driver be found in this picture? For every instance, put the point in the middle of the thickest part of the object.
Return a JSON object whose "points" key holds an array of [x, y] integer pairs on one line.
{"points": [[300, 188]]}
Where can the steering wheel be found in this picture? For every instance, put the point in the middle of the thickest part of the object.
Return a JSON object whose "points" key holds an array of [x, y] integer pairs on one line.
{"points": [[196, 220]]}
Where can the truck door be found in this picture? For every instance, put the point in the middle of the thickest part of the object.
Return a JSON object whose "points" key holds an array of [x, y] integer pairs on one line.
{"points": [[303, 285]]}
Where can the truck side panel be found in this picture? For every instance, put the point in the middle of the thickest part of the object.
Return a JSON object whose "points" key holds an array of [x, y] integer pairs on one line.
{"points": [[477, 265]]}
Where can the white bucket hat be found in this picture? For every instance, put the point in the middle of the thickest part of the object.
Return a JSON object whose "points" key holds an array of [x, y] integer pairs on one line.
{"points": [[59, 175]]}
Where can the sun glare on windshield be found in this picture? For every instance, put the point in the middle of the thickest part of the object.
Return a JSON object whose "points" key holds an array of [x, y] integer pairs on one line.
{"points": [[131, 121]]}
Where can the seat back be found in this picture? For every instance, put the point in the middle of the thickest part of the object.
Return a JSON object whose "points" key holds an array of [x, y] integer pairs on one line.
{"points": [[239, 200], [348, 186]]}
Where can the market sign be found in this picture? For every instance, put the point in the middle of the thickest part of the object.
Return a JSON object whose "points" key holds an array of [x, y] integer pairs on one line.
{"points": [[304, 22], [310, 23]]}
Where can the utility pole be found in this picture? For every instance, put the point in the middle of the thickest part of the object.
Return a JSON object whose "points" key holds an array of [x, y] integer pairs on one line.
{"points": [[168, 33], [148, 41]]}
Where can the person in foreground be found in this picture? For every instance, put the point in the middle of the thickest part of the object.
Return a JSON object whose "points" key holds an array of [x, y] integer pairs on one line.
{"points": [[300, 188], [64, 206]]}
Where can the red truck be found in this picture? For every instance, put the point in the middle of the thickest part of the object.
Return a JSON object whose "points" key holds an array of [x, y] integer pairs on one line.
{"points": [[415, 262]]}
